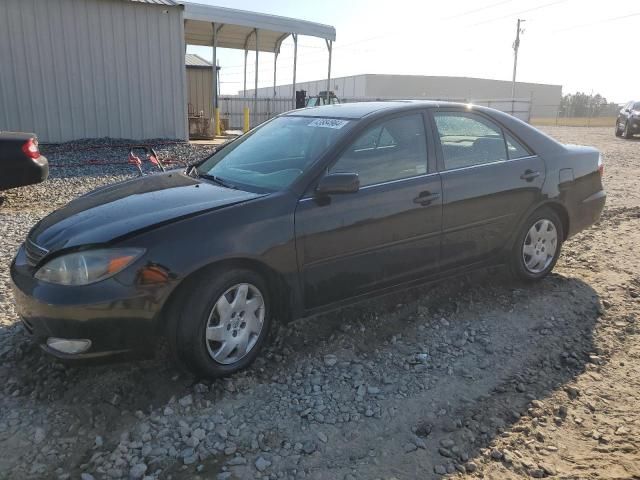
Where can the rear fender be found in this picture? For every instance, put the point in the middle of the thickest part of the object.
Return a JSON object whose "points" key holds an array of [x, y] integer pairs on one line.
{"points": [[557, 207]]}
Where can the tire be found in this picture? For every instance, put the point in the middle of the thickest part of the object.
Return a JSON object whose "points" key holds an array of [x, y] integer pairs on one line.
{"points": [[527, 257], [618, 131], [627, 133], [215, 337]]}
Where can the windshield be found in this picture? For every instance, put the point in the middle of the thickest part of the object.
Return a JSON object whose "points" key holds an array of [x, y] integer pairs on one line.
{"points": [[271, 157]]}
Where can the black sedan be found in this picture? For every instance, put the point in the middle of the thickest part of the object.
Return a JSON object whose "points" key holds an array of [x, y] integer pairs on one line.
{"points": [[21, 163], [314, 209], [628, 121]]}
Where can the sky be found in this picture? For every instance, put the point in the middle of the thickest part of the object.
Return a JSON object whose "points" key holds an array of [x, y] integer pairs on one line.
{"points": [[583, 45]]}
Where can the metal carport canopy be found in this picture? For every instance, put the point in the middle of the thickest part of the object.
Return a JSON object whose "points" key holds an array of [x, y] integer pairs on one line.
{"points": [[238, 26], [208, 25]]}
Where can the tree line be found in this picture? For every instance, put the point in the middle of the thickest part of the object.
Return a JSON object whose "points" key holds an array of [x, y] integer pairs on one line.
{"points": [[586, 105]]}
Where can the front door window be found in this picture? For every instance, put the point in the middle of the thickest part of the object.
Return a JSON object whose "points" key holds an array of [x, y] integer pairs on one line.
{"points": [[391, 150]]}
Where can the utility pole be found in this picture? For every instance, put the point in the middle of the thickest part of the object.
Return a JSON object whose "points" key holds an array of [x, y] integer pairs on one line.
{"points": [[516, 46]]}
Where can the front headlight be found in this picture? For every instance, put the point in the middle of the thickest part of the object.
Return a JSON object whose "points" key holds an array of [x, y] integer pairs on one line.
{"points": [[90, 266]]}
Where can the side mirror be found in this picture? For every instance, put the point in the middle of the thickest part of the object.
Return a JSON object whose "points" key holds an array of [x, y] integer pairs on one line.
{"points": [[338, 183]]}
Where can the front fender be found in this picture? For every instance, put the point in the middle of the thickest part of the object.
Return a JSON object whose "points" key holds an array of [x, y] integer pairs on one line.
{"points": [[260, 233]]}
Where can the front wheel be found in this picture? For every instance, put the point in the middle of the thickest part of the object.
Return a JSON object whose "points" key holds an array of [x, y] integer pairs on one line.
{"points": [[627, 132], [537, 246], [222, 323], [618, 131]]}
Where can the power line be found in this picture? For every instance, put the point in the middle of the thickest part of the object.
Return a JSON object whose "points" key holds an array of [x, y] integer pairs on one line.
{"points": [[607, 20], [551, 4], [476, 10]]}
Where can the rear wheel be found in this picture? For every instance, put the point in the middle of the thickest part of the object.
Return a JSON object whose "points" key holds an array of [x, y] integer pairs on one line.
{"points": [[223, 322], [537, 247]]}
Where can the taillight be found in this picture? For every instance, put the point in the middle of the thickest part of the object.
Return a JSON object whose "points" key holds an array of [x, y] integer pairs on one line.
{"points": [[30, 148], [601, 166]]}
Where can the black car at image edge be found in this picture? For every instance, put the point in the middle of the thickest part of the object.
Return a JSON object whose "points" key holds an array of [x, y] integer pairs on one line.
{"points": [[628, 121], [21, 162], [312, 210]]}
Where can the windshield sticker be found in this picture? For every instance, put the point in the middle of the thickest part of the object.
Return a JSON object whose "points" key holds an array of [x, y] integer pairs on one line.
{"points": [[328, 123]]}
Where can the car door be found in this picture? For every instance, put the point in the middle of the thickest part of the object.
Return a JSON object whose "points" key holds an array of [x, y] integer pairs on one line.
{"points": [[489, 180], [386, 233]]}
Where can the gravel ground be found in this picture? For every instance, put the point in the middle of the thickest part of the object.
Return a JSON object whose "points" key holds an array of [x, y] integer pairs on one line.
{"points": [[476, 377]]}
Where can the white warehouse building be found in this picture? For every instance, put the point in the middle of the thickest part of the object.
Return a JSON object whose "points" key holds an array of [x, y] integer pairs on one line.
{"points": [[545, 99]]}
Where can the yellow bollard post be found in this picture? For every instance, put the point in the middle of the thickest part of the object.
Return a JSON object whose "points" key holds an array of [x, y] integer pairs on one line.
{"points": [[218, 129], [246, 119]]}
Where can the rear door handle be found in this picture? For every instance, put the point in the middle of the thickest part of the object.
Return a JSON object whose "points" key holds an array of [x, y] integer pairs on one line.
{"points": [[529, 175], [425, 198]]}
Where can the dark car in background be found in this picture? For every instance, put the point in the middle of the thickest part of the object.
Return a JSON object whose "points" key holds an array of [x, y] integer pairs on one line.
{"points": [[21, 163], [628, 121], [312, 210]]}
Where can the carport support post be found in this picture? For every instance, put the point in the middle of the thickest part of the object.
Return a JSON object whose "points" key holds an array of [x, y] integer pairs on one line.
{"points": [[245, 111], [275, 66], [295, 61], [246, 54], [330, 47], [255, 93], [276, 52], [214, 83]]}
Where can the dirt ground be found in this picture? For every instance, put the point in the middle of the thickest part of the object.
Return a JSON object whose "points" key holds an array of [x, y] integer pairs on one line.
{"points": [[574, 122], [476, 377]]}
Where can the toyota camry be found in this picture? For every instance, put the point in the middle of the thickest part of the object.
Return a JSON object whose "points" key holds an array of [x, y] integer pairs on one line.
{"points": [[312, 210]]}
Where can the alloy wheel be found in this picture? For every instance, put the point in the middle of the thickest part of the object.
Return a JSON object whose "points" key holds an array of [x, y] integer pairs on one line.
{"points": [[235, 323], [540, 244]]}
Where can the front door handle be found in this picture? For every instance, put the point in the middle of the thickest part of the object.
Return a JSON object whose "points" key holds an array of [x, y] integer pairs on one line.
{"points": [[529, 175], [425, 198]]}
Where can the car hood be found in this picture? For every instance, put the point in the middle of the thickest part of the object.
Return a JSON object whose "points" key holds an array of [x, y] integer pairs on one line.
{"points": [[125, 208]]}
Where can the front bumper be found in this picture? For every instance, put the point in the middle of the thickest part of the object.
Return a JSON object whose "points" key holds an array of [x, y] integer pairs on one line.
{"points": [[117, 316], [634, 125]]}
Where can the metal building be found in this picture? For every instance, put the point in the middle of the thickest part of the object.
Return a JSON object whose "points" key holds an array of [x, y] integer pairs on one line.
{"points": [[545, 99], [199, 96], [73, 69], [76, 69]]}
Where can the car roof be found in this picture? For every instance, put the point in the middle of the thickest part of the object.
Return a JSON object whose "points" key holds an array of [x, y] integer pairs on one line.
{"points": [[538, 141], [362, 109]]}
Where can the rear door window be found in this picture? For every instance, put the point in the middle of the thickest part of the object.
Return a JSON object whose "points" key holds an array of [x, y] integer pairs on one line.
{"points": [[468, 139], [515, 149]]}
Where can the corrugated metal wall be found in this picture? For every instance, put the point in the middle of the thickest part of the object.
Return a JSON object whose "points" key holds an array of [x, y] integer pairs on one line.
{"points": [[72, 69], [200, 102], [200, 91]]}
